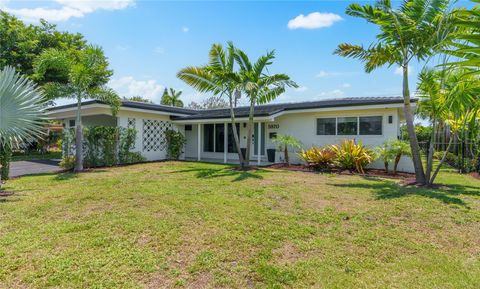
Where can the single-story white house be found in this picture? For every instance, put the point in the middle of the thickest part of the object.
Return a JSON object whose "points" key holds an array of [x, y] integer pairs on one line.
{"points": [[371, 120]]}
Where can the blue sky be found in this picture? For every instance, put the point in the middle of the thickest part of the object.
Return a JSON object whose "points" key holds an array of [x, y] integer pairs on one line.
{"points": [[147, 42]]}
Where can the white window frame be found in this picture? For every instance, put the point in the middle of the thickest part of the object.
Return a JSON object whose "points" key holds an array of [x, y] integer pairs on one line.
{"points": [[358, 126]]}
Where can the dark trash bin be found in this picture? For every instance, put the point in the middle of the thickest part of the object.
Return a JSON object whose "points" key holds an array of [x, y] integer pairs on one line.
{"points": [[271, 155]]}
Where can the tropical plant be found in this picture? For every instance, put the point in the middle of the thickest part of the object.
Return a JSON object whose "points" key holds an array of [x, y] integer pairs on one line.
{"points": [[284, 142], [138, 98], [175, 142], [21, 111], [318, 158], [415, 30], [67, 162], [399, 148], [171, 98], [352, 156], [259, 86], [87, 72], [218, 77], [385, 153]]}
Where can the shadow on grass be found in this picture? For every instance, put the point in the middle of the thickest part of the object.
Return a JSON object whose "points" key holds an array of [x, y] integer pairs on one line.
{"points": [[208, 173], [388, 190]]}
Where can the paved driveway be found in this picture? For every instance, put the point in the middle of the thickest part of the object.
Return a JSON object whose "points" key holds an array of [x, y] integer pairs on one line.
{"points": [[21, 168]]}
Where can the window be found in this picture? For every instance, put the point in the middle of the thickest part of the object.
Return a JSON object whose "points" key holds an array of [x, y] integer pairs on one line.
{"points": [[390, 119], [219, 138], [371, 125], [208, 137], [214, 138], [326, 126], [188, 127], [71, 123], [347, 125]]}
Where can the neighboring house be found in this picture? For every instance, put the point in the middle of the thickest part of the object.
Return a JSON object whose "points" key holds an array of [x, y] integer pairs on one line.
{"points": [[371, 120]]}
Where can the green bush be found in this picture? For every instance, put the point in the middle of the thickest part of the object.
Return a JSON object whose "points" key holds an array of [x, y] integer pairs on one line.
{"points": [[67, 162], [175, 142], [5, 159], [353, 156], [318, 158]]}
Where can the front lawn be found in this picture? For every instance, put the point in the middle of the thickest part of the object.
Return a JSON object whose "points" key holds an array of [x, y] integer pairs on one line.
{"points": [[196, 225]]}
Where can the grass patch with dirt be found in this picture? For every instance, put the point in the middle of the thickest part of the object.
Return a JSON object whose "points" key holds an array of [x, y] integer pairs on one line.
{"points": [[197, 225]]}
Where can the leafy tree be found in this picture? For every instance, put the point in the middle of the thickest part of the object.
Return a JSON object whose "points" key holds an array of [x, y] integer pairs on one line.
{"points": [[138, 98], [171, 98], [211, 102], [385, 153], [21, 44], [87, 72], [21, 110], [220, 78], [258, 85], [415, 30], [283, 142]]}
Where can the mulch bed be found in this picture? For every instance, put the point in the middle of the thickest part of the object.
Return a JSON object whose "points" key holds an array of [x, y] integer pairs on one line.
{"points": [[475, 175], [368, 172]]}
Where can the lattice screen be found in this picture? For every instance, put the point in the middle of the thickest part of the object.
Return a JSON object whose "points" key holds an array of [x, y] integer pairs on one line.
{"points": [[131, 123], [154, 134]]}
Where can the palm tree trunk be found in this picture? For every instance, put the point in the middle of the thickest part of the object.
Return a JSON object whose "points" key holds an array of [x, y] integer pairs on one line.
{"points": [[432, 179], [287, 159], [234, 129], [431, 148], [396, 161], [79, 138], [249, 131], [417, 161]]}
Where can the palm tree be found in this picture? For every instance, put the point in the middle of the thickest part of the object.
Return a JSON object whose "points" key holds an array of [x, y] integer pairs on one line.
{"points": [[283, 142], [467, 41], [172, 98], [21, 110], [259, 87], [86, 75], [218, 77], [414, 30]]}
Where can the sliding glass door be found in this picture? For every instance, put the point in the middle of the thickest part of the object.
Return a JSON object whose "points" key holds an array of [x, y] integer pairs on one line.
{"points": [[256, 138]]}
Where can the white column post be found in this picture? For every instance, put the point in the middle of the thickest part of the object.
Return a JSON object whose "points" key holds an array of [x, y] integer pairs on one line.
{"points": [[225, 142], [259, 141], [199, 144]]}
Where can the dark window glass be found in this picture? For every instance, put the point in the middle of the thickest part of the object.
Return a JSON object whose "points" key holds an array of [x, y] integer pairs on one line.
{"points": [[232, 148], [208, 135], [219, 138], [326, 126], [71, 123], [188, 127], [371, 125], [347, 125], [390, 119], [262, 137]]}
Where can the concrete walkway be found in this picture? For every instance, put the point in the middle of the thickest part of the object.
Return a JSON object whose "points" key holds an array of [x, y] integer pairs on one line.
{"points": [[21, 168]]}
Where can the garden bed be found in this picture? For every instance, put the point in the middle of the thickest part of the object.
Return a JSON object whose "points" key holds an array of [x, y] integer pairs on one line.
{"points": [[368, 172]]}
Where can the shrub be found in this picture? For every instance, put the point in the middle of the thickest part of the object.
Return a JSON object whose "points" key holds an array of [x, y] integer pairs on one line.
{"points": [[352, 156], [283, 142], [385, 153], [392, 151], [175, 142], [5, 159], [67, 162], [318, 158]]}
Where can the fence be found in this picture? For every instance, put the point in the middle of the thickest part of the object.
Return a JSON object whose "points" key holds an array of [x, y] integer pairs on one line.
{"points": [[465, 156]]}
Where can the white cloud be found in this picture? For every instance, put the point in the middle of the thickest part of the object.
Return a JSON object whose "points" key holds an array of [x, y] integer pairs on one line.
{"points": [[346, 85], [399, 70], [332, 93], [313, 20], [128, 86], [159, 50], [185, 29], [301, 89], [122, 47], [324, 73], [68, 9]]}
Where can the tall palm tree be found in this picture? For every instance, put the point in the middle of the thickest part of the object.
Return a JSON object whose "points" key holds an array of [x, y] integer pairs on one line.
{"points": [[414, 30], [21, 109], [467, 41], [171, 98], [219, 78], [87, 74], [259, 86]]}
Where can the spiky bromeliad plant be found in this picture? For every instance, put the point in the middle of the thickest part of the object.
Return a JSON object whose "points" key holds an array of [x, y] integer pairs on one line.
{"points": [[353, 156], [21, 109], [318, 158]]}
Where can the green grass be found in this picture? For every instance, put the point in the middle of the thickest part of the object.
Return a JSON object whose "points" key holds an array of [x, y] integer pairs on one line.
{"points": [[195, 225], [37, 156]]}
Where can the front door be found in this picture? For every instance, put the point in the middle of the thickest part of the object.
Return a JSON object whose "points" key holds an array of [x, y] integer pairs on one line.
{"points": [[255, 139]]}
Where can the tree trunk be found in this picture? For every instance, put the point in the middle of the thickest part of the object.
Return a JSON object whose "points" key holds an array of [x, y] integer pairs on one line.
{"points": [[386, 166], [431, 149], [395, 165], [249, 130], [234, 129], [417, 161], [432, 179], [287, 159], [78, 138]]}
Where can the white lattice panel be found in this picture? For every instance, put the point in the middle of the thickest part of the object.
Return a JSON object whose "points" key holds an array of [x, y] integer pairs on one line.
{"points": [[154, 134]]}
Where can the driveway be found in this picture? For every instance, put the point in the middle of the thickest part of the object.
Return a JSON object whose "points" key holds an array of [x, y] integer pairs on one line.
{"points": [[21, 168]]}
